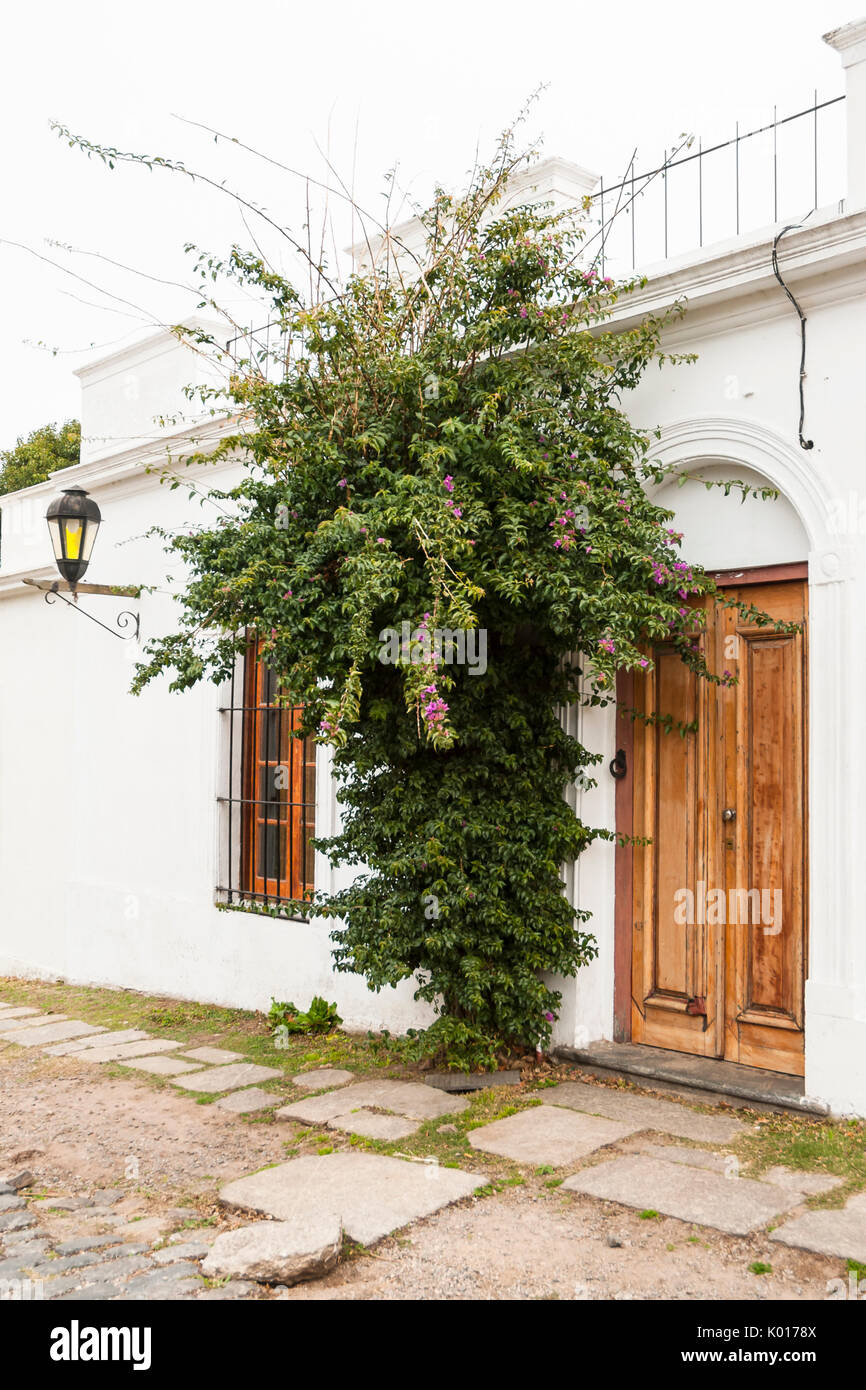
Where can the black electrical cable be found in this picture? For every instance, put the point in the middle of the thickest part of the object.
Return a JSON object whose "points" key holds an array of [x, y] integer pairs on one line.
{"points": [[794, 226]]}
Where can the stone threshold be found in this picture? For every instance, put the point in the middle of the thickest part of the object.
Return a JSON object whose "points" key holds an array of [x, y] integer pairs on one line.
{"points": [[696, 1078]]}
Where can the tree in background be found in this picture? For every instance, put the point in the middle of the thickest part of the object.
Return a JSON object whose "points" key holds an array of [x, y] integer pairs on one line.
{"points": [[35, 458]]}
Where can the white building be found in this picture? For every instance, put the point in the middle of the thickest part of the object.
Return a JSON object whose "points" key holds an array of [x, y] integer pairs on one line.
{"points": [[118, 843]]}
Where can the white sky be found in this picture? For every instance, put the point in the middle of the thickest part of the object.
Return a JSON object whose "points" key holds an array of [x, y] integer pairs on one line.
{"points": [[376, 82]]}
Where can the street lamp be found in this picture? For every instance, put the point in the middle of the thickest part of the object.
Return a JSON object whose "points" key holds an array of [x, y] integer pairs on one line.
{"points": [[73, 521]]}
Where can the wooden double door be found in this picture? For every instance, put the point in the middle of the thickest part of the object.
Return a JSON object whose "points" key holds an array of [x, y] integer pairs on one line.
{"points": [[719, 929]]}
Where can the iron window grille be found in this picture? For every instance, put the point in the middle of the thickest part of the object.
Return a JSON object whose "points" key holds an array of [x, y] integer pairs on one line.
{"points": [[268, 811]]}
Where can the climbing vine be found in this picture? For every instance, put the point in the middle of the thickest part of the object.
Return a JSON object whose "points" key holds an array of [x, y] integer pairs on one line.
{"points": [[439, 446]]}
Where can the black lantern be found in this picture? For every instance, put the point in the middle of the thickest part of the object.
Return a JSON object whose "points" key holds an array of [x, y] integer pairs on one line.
{"points": [[73, 521]]}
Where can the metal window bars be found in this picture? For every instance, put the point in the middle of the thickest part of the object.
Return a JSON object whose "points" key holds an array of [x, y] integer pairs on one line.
{"points": [[268, 802]]}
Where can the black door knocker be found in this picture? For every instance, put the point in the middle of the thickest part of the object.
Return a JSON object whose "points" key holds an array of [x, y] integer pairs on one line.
{"points": [[617, 765]]}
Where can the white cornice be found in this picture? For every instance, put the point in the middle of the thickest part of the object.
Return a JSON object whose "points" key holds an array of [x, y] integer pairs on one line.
{"points": [[829, 245], [164, 340], [132, 465], [849, 41]]}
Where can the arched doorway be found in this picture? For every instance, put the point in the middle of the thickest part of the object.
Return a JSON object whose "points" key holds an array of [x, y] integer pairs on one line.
{"points": [[716, 886]]}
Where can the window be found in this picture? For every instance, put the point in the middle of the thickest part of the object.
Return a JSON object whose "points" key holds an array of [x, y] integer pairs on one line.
{"points": [[272, 804]]}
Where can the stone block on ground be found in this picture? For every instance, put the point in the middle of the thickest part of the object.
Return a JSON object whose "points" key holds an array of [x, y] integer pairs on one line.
{"points": [[228, 1078], [170, 1281], [51, 1033], [104, 1038], [90, 1293], [14, 1181], [793, 1180], [213, 1056], [545, 1134], [235, 1288], [643, 1112], [373, 1125], [160, 1066], [831, 1232], [323, 1078], [244, 1102], [735, 1206], [692, 1158], [185, 1250], [278, 1252], [119, 1052], [10, 1011], [38, 1020], [409, 1098], [472, 1080], [15, 1221], [372, 1194]]}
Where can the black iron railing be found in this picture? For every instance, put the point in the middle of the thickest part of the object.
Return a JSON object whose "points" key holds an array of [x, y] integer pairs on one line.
{"points": [[787, 167]]}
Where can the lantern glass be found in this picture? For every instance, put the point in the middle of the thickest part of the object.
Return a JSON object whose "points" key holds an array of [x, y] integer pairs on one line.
{"points": [[73, 521]]}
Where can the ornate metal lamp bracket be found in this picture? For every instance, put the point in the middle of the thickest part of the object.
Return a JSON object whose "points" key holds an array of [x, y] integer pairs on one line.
{"points": [[122, 621]]}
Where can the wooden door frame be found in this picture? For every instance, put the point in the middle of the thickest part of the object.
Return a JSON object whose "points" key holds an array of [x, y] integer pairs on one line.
{"points": [[624, 854]]}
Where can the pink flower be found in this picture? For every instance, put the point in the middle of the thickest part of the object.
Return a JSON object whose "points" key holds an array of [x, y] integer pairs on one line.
{"points": [[341, 483], [448, 483]]}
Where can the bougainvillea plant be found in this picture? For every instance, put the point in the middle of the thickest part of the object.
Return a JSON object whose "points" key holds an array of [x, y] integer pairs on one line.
{"points": [[440, 441]]}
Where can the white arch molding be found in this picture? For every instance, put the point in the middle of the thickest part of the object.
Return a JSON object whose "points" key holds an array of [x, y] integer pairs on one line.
{"points": [[835, 989]]}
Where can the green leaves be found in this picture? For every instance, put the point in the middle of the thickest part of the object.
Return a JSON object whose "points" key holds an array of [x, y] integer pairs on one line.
{"points": [[444, 447]]}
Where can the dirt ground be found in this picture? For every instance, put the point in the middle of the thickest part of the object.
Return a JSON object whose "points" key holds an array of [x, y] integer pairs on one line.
{"points": [[79, 1132]]}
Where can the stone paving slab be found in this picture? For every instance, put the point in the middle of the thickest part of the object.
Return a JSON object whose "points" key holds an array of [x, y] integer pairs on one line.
{"points": [[841, 1233], [106, 1039], [735, 1206], [228, 1078], [677, 1153], [372, 1194], [546, 1134], [323, 1078], [810, 1184], [7, 1011], [643, 1112], [244, 1102], [37, 1021], [409, 1098], [373, 1125], [120, 1051], [213, 1056], [52, 1033], [161, 1066]]}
